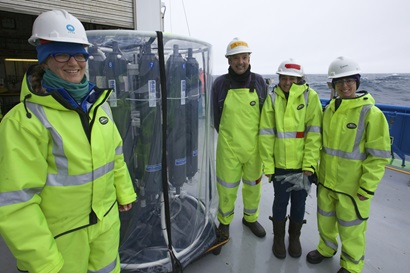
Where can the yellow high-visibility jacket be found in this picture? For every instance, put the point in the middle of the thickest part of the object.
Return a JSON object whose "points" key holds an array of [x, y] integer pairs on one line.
{"points": [[356, 146], [290, 130], [61, 169]]}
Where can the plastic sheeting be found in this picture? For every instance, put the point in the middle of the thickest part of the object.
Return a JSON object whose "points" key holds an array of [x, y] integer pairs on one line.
{"points": [[160, 105]]}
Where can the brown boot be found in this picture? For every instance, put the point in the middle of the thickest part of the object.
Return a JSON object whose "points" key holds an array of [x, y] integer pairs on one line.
{"points": [[295, 249], [278, 248]]}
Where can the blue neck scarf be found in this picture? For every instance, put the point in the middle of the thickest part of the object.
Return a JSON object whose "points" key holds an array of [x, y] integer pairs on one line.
{"points": [[77, 90]]}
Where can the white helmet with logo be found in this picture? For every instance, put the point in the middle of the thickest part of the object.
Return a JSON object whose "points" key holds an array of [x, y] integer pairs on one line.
{"points": [[237, 46], [343, 67], [291, 68], [58, 26]]}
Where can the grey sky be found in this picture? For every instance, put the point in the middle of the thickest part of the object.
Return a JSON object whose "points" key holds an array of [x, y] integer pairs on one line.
{"points": [[375, 33]]}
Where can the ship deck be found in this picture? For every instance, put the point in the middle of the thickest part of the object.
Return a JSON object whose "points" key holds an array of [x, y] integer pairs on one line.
{"points": [[388, 237]]}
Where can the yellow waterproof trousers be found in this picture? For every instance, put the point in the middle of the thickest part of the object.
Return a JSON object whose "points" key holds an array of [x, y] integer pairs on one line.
{"points": [[337, 216], [94, 248], [229, 174], [237, 155]]}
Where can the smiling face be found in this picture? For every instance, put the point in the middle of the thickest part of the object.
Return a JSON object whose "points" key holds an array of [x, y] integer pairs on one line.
{"points": [[70, 71], [346, 88], [239, 62], [285, 82]]}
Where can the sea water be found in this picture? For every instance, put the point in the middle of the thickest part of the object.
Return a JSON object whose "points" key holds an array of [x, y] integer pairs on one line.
{"points": [[386, 88], [391, 89]]}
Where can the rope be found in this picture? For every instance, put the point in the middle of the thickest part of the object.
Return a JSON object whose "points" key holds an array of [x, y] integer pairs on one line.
{"points": [[397, 170], [186, 19]]}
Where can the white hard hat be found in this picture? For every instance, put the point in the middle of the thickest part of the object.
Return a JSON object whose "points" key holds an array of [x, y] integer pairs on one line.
{"points": [[343, 67], [237, 46], [290, 68], [58, 26]]}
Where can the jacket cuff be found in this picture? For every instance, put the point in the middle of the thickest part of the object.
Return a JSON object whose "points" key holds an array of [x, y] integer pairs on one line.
{"points": [[365, 193], [268, 170], [310, 169]]}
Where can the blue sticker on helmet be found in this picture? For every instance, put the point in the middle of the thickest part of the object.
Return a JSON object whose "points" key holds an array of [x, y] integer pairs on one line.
{"points": [[70, 28]]}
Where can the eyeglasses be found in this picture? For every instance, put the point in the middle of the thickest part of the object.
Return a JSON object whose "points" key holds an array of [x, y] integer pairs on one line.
{"points": [[65, 57], [284, 78], [341, 82]]}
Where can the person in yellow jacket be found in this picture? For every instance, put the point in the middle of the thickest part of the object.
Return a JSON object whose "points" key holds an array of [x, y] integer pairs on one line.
{"points": [[63, 178], [290, 140], [356, 148], [237, 98]]}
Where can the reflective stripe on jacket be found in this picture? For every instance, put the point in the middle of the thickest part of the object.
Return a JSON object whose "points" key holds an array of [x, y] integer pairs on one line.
{"points": [[61, 169], [356, 146], [290, 130]]}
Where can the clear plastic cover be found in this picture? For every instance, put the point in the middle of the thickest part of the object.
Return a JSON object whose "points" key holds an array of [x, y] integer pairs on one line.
{"points": [[172, 223]]}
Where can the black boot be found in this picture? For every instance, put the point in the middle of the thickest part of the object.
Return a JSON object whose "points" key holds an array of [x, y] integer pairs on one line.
{"points": [[295, 249], [224, 231], [314, 257], [222, 235], [278, 247], [255, 227]]}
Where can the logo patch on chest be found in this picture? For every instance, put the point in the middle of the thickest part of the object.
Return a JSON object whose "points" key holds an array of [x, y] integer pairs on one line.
{"points": [[351, 126], [301, 106], [252, 103], [103, 120]]}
